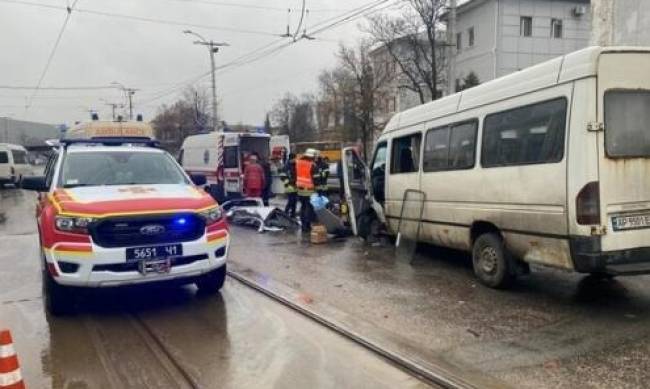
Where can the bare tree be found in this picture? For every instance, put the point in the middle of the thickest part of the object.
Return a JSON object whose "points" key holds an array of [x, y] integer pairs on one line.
{"points": [[187, 116], [281, 112], [294, 116], [368, 88], [412, 42]]}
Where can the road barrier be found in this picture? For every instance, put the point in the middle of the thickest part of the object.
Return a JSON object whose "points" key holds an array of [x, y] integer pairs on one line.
{"points": [[10, 377]]}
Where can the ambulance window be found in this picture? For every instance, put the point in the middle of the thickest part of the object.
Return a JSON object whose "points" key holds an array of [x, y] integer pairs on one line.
{"points": [[4, 157], [230, 158]]}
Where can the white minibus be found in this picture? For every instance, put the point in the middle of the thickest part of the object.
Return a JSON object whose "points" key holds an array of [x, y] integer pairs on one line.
{"points": [[14, 164], [549, 165]]}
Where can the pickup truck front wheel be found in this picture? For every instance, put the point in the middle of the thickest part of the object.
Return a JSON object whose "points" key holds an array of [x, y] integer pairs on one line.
{"points": [[212, 282]]}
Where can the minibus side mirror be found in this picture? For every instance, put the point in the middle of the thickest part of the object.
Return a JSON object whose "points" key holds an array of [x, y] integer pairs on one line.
{"points": [[199, 179], [36, 183]]}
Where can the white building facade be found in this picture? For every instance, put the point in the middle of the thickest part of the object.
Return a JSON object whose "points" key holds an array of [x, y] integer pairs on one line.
{"points": [[498, 37]]}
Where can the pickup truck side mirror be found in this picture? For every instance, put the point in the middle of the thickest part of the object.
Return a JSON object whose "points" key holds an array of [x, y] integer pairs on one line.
{"points": [[36, 183]]}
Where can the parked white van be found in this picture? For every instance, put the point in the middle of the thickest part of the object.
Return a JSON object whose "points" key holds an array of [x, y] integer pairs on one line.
{"points": [[550, 165], [13, 164]]}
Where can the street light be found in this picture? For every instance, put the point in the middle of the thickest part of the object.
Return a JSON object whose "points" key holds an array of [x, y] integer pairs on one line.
{"points": [[213, 48], [128, 93]]}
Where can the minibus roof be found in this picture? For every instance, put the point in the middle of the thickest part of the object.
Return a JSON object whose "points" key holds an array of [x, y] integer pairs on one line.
{"points": [[573, 66]]}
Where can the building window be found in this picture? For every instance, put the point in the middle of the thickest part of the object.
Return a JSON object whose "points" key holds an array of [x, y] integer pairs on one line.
{"points": [[470, 32], [556, 28], [459, 41], [526, 26]]}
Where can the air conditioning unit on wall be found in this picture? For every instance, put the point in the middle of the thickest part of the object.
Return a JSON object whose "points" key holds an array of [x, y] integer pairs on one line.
{"points": [[579, 10]]}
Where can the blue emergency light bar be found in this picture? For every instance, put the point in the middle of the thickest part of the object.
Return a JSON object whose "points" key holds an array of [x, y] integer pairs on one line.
{"points": [[112, 141]]}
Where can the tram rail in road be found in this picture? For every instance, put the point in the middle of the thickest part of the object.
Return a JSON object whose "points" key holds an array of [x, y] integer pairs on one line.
{"points": [[437, 376]]}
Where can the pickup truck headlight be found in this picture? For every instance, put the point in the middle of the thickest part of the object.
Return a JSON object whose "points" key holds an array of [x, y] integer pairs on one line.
{"points": [[212, 215], [73, 224]]}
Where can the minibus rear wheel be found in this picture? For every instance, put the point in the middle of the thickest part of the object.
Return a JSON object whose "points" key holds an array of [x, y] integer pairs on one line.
{"points": [[493, 265]]}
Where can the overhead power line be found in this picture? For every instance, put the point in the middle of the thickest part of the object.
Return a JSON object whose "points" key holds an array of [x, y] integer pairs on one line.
{"points": [[272, 48], [144, 19], [172, 22], [52, 53], [252, 6], [56, 88]]}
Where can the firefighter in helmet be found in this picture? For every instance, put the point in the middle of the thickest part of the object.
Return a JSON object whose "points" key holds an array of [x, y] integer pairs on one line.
{"points": [[306, 171]]}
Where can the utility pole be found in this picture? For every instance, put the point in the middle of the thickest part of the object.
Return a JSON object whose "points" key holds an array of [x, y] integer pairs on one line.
{"points": [[129, 93], [620, 23], [114, 107], [451, 48], [602, 22], [213, 48]]}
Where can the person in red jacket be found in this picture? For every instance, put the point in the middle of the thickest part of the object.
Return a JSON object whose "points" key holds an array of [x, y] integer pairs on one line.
{"points": [[254, 180]]}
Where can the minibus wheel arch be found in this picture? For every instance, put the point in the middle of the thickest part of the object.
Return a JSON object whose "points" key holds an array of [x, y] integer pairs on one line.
{"points": [[482, 227]]}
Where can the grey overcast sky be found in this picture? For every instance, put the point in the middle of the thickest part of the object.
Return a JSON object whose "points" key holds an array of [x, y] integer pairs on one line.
{"points": [[106, 41]]}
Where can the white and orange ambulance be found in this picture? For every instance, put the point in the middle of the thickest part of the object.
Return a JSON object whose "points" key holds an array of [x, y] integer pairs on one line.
{"points": [[115, 210]]}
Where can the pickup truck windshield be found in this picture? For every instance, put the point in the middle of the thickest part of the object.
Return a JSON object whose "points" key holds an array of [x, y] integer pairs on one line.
{"points": [[119, 168]]}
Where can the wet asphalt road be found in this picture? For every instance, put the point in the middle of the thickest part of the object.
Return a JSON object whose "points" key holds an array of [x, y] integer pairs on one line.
{"points": [[166, 338], [552, 330]]}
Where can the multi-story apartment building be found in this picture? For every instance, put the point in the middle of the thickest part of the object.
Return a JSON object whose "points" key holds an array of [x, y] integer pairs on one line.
{"points": [[497, 37]]}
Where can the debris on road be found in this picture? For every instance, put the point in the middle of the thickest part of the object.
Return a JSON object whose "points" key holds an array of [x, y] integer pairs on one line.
{"points": [[252, 212]]}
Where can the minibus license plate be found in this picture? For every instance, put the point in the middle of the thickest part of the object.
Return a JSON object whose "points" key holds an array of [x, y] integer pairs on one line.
{"points": [[631, 222], [153, 252]]}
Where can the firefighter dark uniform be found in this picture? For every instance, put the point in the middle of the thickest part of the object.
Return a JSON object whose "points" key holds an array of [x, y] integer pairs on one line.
{"points": [[288, 177], [305, 169], [321, 176]]}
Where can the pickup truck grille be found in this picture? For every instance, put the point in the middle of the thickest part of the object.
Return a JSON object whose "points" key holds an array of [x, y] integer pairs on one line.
{"points": [[147, 230]]}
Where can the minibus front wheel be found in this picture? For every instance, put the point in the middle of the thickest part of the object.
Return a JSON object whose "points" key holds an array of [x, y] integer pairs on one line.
{"points": [[493, 264]]}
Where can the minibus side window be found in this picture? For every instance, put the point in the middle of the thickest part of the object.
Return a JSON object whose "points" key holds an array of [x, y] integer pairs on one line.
{"points": [[526, 135], [627, 123], [451, 147], [405, 154], [436, 149], [4, 157]]}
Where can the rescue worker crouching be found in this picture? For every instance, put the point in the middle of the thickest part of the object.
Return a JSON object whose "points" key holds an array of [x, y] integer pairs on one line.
{"points": [[288, 176], [306, 171]]}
